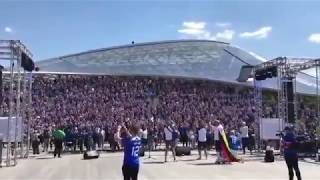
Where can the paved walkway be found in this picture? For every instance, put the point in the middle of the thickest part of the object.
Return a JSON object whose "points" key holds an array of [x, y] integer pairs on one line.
{"points": [[108, 166]]}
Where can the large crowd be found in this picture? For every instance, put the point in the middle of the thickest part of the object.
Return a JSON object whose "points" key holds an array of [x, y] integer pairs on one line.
{"points": [[92, 107], [95, 103]]}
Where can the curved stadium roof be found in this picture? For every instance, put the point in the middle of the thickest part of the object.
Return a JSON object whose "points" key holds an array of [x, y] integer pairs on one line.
{"points": [[184, 58]]}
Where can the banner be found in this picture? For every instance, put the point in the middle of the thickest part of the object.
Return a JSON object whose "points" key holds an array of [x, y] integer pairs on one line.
{"points": [[269, 127], [4, 129]]}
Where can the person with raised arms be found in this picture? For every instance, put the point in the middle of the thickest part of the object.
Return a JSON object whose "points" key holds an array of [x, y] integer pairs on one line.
{"points": [[132, 144]]}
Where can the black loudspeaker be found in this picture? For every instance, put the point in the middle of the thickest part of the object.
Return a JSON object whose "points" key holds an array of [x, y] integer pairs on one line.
{"points": [[183, 151], [26, 62], [290, 98], [269, 156], [90, 155]]}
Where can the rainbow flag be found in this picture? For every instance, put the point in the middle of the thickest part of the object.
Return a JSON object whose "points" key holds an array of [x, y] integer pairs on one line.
{"points": [[225, 149]]}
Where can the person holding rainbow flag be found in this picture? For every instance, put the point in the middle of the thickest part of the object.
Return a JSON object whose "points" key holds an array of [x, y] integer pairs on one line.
{"points": [[224, 154]]}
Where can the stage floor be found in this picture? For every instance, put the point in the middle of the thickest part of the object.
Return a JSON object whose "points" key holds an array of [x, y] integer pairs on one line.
{"points": [[108, 166]]}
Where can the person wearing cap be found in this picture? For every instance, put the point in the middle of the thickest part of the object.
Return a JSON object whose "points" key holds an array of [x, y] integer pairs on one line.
{"points": [[244, 131], [290, 153]]}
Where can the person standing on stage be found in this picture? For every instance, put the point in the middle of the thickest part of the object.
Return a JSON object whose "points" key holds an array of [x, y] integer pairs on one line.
{"points": [[57, 146], [290, 153], [183, 130], [234, 143], [217, 129], [144, 136], [251, 139], [170, 142], [132, 144], [202, 140], [244, 132]]}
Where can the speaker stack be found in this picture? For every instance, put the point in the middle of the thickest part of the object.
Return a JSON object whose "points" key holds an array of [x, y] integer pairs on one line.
{"points": [[269, 156], [183, 151], [90, 155]]}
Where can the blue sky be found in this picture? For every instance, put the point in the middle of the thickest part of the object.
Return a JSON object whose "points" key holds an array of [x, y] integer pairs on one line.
{"points": [[268, 28]]}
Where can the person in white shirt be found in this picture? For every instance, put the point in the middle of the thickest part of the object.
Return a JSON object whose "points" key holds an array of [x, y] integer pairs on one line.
{"points": [[103, 134], [217, 129], [170, 141], [144, 137], [244, 133], [202, 140], [192, 138], [145, 134]]}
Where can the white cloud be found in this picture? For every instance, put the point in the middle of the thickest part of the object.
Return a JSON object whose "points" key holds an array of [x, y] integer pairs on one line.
{"points": [[226, 34], [191, 31], [223, 24], [194, 25], [314, 38], [193, 28], [7, 30], [261, 33], [198, 30]]}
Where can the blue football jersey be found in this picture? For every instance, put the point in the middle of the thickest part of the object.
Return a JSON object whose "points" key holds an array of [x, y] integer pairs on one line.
{"points": [[288, 145], [132, 147]]}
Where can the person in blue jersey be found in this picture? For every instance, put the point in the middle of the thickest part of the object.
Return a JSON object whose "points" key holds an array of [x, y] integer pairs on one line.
{"points": [[132, 144], [234, 143], [290, 152]]}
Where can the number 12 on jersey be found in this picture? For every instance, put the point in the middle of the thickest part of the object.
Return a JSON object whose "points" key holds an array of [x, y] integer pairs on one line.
{"points": [[135, 151]]}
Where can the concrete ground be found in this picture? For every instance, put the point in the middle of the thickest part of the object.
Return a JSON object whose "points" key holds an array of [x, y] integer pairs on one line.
{"points": [[108, 166]]}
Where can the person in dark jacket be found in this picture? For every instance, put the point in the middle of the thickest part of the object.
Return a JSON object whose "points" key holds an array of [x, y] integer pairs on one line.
{"points": [[57, 147], [290, 153], [35, 143]]}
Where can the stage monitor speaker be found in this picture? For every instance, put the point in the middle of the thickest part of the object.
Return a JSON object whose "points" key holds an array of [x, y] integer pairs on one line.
{"points": [[90, 155], [269, 156], [183, 151]]}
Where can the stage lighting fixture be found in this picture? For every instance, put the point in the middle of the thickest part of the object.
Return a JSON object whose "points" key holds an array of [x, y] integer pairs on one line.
{"points": [[274, 71], [260, 77], [269, 74], [26, 62]]}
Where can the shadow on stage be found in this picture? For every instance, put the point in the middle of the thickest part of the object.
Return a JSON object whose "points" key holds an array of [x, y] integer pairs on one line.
{"points": [[154, 162], [207, 164], [44, 158], [188, 160], [310, 162]]}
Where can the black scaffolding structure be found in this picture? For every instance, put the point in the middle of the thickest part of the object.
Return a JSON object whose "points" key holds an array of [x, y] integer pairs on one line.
{"points": [[285, 71]]}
